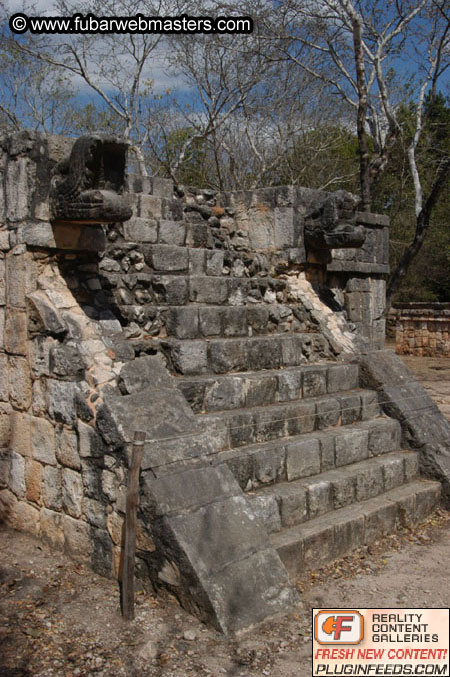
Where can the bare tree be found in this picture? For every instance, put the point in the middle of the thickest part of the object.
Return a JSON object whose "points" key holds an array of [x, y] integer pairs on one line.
{"points": [[115, 68], [355, 47]]}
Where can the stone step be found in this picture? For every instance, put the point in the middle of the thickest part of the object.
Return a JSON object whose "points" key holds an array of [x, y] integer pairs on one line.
{"points": [[206, 393], [166, 286], [286, 504], [224, 355], [332, 535], [238, 427], [196, 320], [306, 455]]}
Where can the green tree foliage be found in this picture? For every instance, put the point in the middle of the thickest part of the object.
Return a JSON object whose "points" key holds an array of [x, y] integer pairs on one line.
{"points": [[428, 279]]}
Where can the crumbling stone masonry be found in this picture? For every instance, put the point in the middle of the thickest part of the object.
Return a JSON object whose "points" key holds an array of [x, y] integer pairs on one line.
{"points": [[422, 329], [242, 333]]}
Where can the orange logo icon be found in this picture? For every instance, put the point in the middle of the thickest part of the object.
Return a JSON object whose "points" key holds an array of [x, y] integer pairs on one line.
{"points": [[338, 626]]}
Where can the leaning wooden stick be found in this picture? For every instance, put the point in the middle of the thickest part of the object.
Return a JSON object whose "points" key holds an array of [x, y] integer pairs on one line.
{"points": [[130, 526]]}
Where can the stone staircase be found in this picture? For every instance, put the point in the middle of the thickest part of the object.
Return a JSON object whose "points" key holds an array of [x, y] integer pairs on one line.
{"points": [[321, 465]]}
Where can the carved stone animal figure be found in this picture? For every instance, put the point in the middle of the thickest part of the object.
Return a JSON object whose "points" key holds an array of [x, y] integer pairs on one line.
{"points": [[87, 187], [332, 223]]}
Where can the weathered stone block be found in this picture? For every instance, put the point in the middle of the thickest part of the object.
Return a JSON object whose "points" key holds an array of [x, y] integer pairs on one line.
{"points": [[61, 400], [20, 390], [43, 440], [320, 497], [264, 353], [393, 472], [5, 424], [342, 377], [348, 534], [317, 546], [66, 361], [369, 482], [77, 539], [72, 492], [169, 259], [328, 413], [4, 378], [224, 394], [182, 322], [109, 484], [234, 321], [293, 506], [91, 475], [89, 441], [228, 356], [269, 424], [314, 382], [33, 471], [260, 390], [15, 276], [350, 408], [170, 290], [2, 276], [266, 510], [190, 357], [115, 527], [149, 207], [94, 511], [197, 261], [369, 405], [228, 526], [162, 187], [172, 232], [327, 452], [343, 488], [208, 290], [351, 446], [44, 316], [4, 240], [39, 355], [17, 474], [214, 263], [52, 531], [21, 433], [302, 458], [19, 514], [20, 176], [141, 229], [290, 385], [258, 318], [210, 321], [380, 519], [102, 554], [51, 487], [284, 228], [291, 350], [301, 418], [269, 464], [384, 436], [67, 448], [16, 331]]}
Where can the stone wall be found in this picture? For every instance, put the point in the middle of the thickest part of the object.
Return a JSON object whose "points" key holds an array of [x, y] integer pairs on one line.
{"points": [[422, 329], [59, 481]]}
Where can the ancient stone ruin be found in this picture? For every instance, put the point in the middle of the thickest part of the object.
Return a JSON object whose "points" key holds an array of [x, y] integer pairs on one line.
{"points": [[422, 329], [244, 334]]}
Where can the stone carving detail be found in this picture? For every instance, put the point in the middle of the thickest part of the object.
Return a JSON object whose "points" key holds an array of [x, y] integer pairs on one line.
{"points": [[331, 224], [87, 187]]}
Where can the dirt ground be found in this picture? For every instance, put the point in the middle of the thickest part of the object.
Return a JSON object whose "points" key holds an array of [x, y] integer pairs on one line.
{"points": [[57, 618]]}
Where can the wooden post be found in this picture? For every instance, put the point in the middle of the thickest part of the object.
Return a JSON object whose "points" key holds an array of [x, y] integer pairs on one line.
{"points": [[130, 526]]}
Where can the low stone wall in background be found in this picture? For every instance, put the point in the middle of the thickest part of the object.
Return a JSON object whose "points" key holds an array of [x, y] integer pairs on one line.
{"points": [[422, 329]]}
